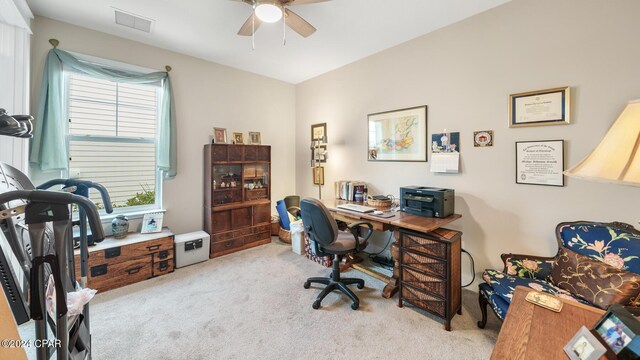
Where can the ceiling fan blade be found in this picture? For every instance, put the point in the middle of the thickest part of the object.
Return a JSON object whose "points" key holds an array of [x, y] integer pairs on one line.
{"points": [[248, 28], [298, 24], [302, 2]]}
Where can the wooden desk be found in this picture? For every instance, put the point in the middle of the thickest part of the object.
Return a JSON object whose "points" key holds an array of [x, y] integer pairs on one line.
{"points": [[400, 220], [532, 332], [433, 277]]}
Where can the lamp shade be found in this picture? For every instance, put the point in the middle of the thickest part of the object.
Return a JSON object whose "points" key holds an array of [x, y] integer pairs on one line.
{"points": [[617, 158]]}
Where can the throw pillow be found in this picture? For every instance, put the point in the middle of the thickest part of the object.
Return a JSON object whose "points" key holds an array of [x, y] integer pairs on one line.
{"points": [[599, 283], [528, 268]]}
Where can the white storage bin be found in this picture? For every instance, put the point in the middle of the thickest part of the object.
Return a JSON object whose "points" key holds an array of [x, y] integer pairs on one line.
{"points": [[191, 248], [297, 237]]}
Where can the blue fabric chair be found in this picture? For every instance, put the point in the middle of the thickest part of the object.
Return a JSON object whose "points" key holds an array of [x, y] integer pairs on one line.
{"points": [[616, 244]]}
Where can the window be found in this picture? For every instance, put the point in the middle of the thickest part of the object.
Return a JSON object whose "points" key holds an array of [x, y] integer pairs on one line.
{"points": [[112, 139]]}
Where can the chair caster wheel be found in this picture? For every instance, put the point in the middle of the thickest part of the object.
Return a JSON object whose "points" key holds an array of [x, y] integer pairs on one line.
{"points": [[360, 286], [307, 284], [355, 306], [316, 305]]}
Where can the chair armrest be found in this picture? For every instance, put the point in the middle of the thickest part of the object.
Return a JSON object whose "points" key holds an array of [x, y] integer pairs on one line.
{"points": [[355, 231], [527, 266]]}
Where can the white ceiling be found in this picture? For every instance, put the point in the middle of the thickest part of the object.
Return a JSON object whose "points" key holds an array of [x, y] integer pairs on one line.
{"points": [[348, 30]]}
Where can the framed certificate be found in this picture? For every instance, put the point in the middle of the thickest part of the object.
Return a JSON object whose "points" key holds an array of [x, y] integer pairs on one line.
{"points": [[543, 107], [540, 162]]}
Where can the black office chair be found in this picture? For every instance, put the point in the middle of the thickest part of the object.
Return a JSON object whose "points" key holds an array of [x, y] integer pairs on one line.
{"points": [[327, 240]]}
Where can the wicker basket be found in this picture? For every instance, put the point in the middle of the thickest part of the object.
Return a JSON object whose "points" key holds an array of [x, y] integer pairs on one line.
{"points": [[284, 236], [275, 226], [378, 203]]}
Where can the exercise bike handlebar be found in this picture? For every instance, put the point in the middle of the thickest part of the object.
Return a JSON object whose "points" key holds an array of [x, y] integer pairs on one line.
{"points": [[58, 197], [106, 199]]}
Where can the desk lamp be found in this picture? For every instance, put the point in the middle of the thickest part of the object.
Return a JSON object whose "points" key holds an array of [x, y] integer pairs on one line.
{"points": [[617, 158]]}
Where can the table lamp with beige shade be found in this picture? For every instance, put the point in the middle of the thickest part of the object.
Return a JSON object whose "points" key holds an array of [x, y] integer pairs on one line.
{"points": [[617, 158]]}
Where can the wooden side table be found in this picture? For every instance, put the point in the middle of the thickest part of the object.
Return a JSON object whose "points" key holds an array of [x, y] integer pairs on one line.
{"points": [[533, 332]]}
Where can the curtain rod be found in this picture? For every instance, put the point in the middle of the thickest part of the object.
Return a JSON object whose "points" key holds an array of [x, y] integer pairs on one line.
{"points": [[55, 44]]}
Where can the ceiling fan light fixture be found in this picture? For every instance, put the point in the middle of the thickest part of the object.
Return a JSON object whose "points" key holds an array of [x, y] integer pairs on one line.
{"points": [[268, 11]]}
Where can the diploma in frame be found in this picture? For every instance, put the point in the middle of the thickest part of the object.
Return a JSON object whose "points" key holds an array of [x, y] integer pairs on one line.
{"points": [[540, 162], [542, 107]]}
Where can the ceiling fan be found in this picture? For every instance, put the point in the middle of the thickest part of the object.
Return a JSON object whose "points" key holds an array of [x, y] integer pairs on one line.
{"points": [[274, 10]]}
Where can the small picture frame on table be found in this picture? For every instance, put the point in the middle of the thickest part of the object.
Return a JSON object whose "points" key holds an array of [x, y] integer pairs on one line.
{"points": [[254, 138], [584, 346], [219, 135], [618, 331], [238, 138]]}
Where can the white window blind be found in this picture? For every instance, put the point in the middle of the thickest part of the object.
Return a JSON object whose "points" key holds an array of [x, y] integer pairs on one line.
{"points": [[112, 137]]}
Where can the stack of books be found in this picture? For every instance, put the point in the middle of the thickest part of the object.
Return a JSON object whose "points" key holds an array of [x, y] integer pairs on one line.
{"points": [[350, 190]]}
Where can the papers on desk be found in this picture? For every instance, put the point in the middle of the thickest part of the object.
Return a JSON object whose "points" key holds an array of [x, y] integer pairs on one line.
{"points": [[445, 162]]}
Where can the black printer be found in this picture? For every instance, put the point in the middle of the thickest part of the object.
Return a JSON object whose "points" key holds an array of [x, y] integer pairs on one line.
{"points": [[427, 201]]}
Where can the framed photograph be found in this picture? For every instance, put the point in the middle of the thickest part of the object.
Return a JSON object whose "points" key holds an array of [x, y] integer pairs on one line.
{"points": [[584, 346], [318, 175], [318, 154], [540, 162], [219, 135], [542, 107], [152, 222], [618, 330], [254, 138], [446, 142], [319, 132], [238, 138], [398, 135]]}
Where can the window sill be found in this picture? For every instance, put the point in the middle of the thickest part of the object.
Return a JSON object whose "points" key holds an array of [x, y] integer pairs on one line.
{"points": [[133, 215]]}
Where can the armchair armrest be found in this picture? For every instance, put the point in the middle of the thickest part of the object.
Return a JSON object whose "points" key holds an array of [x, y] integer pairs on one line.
{"points": [[527, 266], [354, 228]]}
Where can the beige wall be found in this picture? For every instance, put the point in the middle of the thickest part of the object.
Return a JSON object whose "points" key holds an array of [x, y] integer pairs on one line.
{"points": [[206, 95], [465, 73]]}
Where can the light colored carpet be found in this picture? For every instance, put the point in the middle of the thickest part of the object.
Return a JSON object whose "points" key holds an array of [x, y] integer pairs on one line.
{"points": [[251, 305]]}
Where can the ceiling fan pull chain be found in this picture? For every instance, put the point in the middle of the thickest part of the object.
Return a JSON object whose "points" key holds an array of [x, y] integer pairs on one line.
{"points": [[284, 27], [253, 30]]}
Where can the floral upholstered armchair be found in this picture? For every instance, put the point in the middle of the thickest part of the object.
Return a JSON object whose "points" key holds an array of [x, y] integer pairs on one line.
{"points": [[596, 264]]}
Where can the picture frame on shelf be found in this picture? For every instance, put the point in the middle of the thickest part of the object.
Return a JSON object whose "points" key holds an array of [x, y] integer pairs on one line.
{"points": [[238, 138], [540, 162], [254, 138], [152, 222], [319, 132], [584, 346], [318, 175], [398, 135], [219, 135], [541, 107]]}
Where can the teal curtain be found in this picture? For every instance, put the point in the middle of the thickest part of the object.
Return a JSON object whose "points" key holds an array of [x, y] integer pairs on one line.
{"points": [[48, 148]]}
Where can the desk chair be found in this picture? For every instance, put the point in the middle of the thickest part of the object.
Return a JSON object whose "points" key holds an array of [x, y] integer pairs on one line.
{"points": [[327, 240]]}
